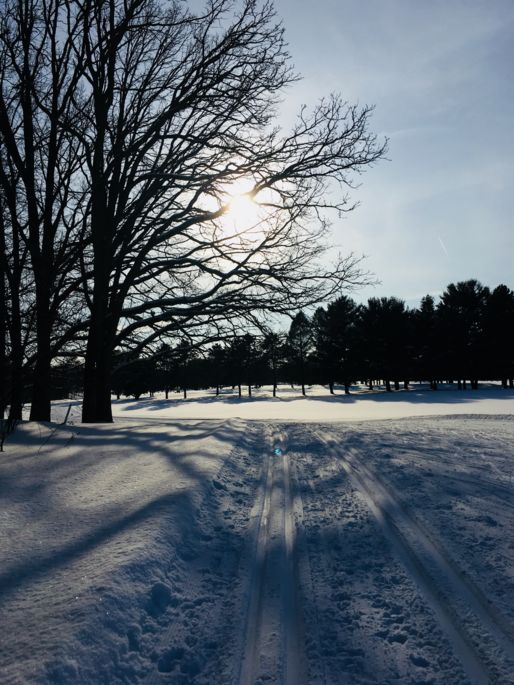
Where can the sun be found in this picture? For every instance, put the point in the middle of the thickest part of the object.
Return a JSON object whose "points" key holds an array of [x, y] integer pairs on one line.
{"points": [[244, 213]]}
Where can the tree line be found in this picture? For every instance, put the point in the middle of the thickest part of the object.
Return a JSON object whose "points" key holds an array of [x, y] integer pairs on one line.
{"points": [[463, 338], [123, 126]]}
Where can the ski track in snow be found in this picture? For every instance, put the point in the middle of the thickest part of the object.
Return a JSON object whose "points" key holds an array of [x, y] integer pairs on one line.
{"points": [[272, 649], [288, 553], [450, 594]]}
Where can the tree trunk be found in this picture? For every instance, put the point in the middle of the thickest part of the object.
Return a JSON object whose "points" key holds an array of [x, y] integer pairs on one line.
{"points": [[303, 388], [184, 390], [40, 403], [4, 390], [274, 389], [346, 389], [388, 386], [13, 394], [405, 385], [239, 389], [331, 387], [16, 394], [397, 385], [96, 407], [249, 390], [370, 385]]}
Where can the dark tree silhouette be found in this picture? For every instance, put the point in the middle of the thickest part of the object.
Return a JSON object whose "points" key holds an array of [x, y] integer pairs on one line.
{"points": [[4, 387], [324, 360], [337, 342], [240, 361], [165, 368], [180, 106], [183, 356], [40, 66], [461, 314], [135, 377], [385, 331], [16, 307], [427, 343], [300, 345], [273, 357], [216, 366], [498, 324]]}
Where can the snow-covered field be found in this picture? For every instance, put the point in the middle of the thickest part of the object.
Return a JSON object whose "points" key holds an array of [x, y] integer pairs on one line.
{"points": [[289, 405], [294, 544]]}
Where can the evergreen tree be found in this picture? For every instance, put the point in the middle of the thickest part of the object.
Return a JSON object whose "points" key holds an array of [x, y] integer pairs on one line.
{"points": [[342, 339], [300, 345], [165, 368], [461, 313], [272, 355], [184, 354], [216, 363], [498, 348], [384, 329]]}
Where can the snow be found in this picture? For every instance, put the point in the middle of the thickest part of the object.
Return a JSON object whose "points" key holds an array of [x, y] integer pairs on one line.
{"points": [[289, 405], [297, 543]]}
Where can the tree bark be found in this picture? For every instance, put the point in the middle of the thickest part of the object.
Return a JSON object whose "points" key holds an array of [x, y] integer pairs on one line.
{"points": [[40, 406], [16, 390], [96, 406], [4, 390]]}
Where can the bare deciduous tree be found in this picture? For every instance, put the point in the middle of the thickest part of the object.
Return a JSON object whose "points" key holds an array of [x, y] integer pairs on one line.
{"points": [[126, 126], [40, 72], [180, 107]]}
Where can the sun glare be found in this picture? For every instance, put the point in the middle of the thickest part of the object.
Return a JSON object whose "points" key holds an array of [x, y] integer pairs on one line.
{"points": [[244, 213]]}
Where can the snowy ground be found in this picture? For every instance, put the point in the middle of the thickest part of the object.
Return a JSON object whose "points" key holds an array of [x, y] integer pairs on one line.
{"points": [[301, 550], [289, 405]]}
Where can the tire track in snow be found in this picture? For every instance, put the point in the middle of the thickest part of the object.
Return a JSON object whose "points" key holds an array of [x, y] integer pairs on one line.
{"points": [[273, 642], [406, 536]]}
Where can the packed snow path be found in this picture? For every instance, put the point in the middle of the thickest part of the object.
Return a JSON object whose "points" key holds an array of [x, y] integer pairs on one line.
{"points": [[248, 553], [273, 635]]}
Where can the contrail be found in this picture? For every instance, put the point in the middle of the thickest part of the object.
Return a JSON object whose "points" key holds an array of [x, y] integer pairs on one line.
{"points": [[443, 246]]}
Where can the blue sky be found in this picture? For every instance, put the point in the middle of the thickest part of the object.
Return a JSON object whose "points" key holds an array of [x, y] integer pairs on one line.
{"points": [[441, 74]]}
